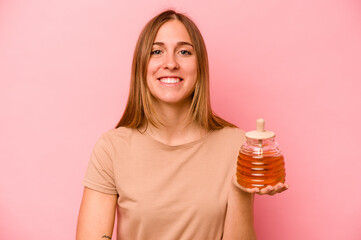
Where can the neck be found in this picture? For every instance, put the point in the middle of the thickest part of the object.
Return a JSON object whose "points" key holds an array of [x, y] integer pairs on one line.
{"points": [[177, 127]]}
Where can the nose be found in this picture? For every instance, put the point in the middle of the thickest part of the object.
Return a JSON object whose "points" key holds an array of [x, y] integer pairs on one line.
{"points": [[170, 62]]}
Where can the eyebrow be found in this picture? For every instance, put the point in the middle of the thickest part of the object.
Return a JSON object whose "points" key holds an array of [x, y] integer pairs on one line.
{"points": [[178, 43]]}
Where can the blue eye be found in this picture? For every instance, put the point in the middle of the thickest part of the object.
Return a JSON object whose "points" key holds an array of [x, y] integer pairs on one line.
{"points": [[185, 52], [155, 52]]}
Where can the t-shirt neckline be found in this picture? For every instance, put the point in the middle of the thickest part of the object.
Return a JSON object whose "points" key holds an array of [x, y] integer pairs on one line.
{"points": [[184, 145]]}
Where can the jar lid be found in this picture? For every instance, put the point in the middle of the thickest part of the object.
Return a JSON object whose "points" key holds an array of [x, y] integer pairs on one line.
{"points": [[260, 133]]}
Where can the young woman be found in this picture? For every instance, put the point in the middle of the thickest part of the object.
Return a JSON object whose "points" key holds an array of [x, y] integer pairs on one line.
{"points": [[168, 166]]}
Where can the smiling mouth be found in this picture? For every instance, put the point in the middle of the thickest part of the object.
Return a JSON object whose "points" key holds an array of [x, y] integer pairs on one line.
{"points": [[170, 80]]}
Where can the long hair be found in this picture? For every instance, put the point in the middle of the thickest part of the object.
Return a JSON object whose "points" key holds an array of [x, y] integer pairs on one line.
{"points": [[139, 110]]}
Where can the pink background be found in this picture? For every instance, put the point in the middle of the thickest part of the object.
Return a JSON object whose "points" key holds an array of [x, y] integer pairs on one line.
{"points": [[64, 72]]}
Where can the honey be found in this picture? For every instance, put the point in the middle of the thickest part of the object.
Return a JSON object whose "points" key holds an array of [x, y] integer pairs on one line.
{"points": [[254, 171], [260, 161]]}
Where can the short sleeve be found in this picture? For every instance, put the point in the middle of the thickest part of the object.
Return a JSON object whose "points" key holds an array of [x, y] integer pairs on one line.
{"points": [[100, 172]]}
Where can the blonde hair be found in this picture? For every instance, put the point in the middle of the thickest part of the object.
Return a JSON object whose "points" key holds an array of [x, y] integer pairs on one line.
{"points": [[139, 110]]}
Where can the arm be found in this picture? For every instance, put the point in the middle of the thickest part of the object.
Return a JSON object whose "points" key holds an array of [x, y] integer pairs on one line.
{"points": [[239, 217], [96, 215]]}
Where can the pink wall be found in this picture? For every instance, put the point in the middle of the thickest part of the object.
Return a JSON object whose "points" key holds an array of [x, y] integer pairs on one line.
{"points": [[64, 72]]}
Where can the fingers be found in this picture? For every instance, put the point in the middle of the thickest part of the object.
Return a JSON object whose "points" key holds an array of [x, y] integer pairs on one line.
{"points": [[252, 190], [272, 190], [269, 190], [249, 190]]}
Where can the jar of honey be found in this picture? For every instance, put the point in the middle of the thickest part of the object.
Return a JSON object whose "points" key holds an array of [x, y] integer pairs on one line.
{"points": [[260, 161]]}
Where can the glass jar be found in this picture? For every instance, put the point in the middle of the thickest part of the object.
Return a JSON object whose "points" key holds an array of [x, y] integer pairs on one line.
{"points": [[260, 161]]}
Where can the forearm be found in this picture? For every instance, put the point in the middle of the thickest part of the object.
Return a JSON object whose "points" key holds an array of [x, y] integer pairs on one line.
{"points": [[96, 216], [239, 217]]}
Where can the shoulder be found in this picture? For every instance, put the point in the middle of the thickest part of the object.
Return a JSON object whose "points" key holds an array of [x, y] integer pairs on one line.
{"points": [[232, 133], [230, 136], [120, 132], [116, 136]]}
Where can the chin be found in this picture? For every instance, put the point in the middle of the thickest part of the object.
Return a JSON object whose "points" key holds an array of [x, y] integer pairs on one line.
{"points": [[175, 101]]}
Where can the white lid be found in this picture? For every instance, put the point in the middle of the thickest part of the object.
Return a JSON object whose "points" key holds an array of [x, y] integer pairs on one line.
{"points": [[260, 133]]}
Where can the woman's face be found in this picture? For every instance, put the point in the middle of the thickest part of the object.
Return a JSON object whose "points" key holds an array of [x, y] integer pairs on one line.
{"points": [[172, 68]]}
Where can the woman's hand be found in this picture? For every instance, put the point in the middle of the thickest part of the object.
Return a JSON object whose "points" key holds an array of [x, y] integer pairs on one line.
{"points": [[269, 190]]}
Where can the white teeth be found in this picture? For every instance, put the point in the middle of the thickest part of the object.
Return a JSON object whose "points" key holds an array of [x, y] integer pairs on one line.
{"points": [[170, 80]]}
